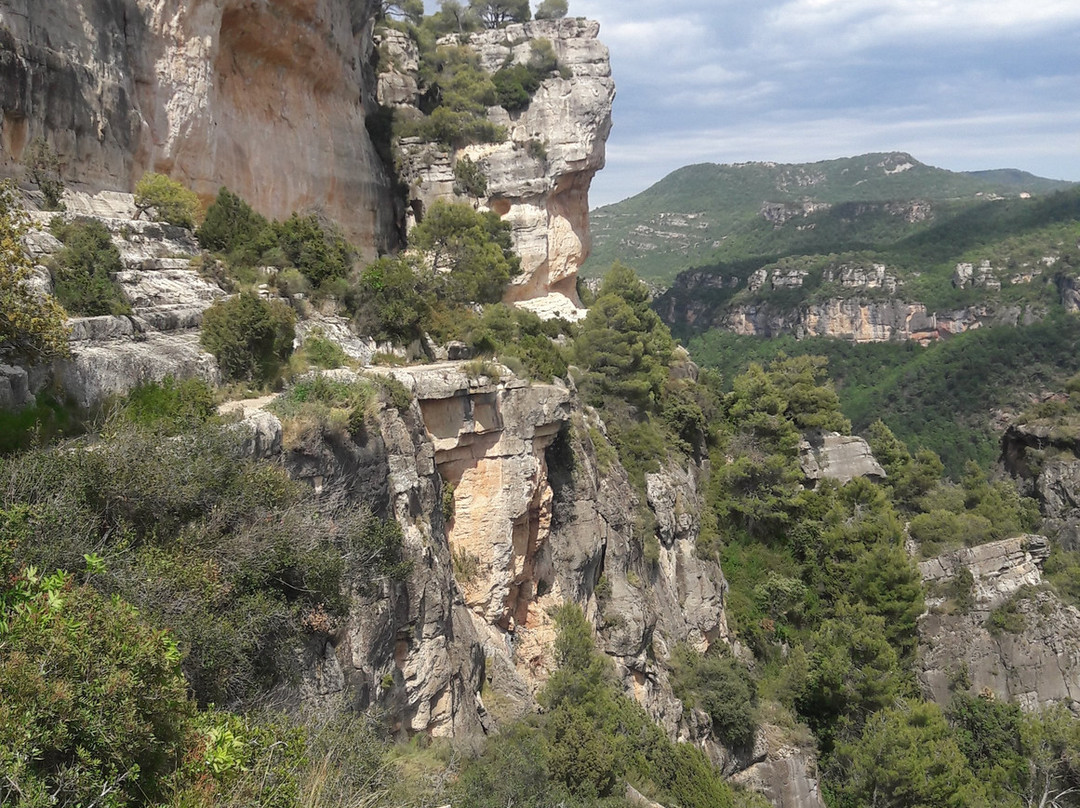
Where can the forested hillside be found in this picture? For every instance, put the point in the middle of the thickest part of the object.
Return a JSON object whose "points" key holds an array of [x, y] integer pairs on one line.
{"points": [[707, 214]]}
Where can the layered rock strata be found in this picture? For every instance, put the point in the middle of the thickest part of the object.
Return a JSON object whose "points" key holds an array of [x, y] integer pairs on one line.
{"points": [[110, 355], [270, 100]]}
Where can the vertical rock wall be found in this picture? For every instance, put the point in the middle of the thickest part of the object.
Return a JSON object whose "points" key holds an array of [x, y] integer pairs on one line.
{"points": [[269, 99], [538, 180]]}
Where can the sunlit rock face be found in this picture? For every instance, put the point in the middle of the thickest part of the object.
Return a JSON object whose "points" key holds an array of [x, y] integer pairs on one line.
{"points": [[268, 99], [538, 179]]}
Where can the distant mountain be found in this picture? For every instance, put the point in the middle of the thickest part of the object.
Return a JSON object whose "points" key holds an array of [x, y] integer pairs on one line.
{"points": [[710, 213]]}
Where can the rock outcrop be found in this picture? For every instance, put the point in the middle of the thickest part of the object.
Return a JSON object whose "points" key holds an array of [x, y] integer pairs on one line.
{"points": [[833, 456], [538, 180], [1033, 657], [867, 320], [535, 523], [270, 100], [110, 355], [1044, 456], [784, 772]]}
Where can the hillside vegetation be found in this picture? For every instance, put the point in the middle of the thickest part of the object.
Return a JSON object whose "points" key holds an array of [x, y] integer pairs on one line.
{"points": [[708, 213]]}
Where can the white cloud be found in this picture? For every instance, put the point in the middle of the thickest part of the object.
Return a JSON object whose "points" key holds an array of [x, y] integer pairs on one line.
{"points": [[865, 23]]}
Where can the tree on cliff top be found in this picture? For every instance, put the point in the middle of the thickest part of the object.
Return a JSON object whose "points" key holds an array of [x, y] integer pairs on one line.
{"points": [[408, 10], [552, 9], [497, 13], [31, 326]]}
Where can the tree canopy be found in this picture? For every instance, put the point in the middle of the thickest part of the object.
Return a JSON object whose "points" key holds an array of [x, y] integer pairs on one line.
{"points": [[167, 200], [497, 13]]}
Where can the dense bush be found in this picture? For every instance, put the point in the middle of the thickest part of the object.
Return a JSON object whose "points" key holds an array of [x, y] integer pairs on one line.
{"points": [[94, 706], [233, 228], [323, 352], [31, 327], [250, 337], [716, 683], [393, 300], [170, 406], [907, 755], [83, 271], [167, 200], [520, 336], [301, 244], [239, 562], [516, 83], [314, 248]]}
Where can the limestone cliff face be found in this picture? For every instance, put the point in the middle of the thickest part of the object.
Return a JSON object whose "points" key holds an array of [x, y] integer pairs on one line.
{"points": [[1034, 662], [851, 318], [851, 300], [269, 99], [538, 180], [536, 523]]}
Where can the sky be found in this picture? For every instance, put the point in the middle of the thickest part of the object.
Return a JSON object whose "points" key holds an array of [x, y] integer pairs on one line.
{"points": [[960, 84]]}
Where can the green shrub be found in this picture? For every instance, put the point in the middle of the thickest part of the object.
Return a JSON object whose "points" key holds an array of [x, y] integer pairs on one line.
{"points": [[168, 200], [515, 86], [94, 704], [232, 227], [322, 352], [716, 683], [511, 333], [1007, 618], [83, 271], [171, 406], [250, 337], [320, 253], [317, 406], [393, 299], [43, 165], [469, 178], [552, 9]]}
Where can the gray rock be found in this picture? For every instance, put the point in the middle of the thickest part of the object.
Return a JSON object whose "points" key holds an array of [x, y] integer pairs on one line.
{"points": [[833, 456], [97, 370], [14, 388], [1035, 666]]}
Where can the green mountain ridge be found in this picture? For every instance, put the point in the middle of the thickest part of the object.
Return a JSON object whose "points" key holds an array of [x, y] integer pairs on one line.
{"points": [[706, 213]]}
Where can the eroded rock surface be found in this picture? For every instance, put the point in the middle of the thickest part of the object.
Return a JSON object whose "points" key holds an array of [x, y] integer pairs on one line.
{"points": [[111, 355], [1033, 659], [784, 772], [538, 180], [268, 99], [833, 456]]}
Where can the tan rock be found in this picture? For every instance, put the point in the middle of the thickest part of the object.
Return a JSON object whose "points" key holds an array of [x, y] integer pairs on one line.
{"points": [[539, 179], [267, 99]]}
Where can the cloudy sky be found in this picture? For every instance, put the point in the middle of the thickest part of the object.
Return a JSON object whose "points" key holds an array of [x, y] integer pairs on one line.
{"points": [[961, 84]]}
